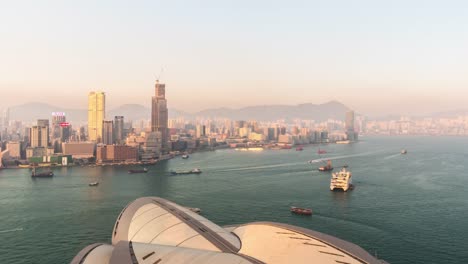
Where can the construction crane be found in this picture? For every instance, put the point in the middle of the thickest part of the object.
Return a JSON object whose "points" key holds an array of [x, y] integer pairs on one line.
{"points": [[159, 75]]}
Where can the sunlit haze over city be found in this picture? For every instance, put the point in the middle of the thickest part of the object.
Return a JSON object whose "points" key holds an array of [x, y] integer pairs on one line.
{"points": [[233, 132], [379, 58]]}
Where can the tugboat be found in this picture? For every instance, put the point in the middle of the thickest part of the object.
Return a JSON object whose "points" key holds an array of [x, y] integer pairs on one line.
{"points": [[301, 211], [144, 170], [93, 184], [327, 167], [341, 180], [404, 151], [46, 174]]}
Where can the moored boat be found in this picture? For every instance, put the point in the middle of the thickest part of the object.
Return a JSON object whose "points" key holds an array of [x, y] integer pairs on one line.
{"points": [[300, 211], [45, 174]]}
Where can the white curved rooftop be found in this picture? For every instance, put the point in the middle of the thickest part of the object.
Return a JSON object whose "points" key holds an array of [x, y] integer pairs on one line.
{"points": [[156, 231]]}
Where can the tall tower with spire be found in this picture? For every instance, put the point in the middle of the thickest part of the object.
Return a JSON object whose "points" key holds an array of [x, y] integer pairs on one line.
{"points": [[159, 115]]}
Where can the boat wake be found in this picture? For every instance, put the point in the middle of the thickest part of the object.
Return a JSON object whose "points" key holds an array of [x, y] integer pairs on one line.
{"points": [[392, 156], [344, 157], [11, 230], [263, 167]]}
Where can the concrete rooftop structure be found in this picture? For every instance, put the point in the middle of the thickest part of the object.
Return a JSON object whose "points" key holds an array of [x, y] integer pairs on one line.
{"points": [[152, 230]]}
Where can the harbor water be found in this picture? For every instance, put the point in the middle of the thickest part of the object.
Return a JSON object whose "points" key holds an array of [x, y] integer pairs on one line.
{"points": [[409, 208]]}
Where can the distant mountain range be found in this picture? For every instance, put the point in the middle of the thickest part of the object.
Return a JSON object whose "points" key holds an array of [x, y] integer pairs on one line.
{"points": [[30, 112]]}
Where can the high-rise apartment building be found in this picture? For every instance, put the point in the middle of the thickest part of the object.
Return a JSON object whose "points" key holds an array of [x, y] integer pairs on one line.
{"points": [[96, 115], [159, 115], [57, 119], [107, 132], [119, 135], [39, 136]]}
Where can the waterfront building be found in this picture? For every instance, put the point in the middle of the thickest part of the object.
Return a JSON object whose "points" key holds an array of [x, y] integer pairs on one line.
{"points": [[96, 115], [159, 115], [107, 132], [151, 147], [257, 137], [244, 131], [79, 149], [116, 153], [285, 139], [38, 152], [119, 134], [15, 149], [176, 234]]}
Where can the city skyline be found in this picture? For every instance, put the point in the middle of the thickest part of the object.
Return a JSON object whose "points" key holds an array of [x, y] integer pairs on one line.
{"points": [[382, 58]]}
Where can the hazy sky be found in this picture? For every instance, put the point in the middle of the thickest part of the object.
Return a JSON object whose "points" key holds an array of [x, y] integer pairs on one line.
{"points": [[375, 56]]}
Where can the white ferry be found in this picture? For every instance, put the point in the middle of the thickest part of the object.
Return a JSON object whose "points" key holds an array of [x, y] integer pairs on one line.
{"points": [[341, 180]]}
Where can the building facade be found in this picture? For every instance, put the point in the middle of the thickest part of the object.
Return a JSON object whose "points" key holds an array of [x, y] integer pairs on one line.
{"points": [[159, 114], [108, 132], [39, 136], [119, 134], [116, 153], [96, 115]]}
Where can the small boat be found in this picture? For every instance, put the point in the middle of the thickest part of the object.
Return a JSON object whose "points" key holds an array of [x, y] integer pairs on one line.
{"points": [[46, 174], [93, 184], [301, 211], [300, 148], [185, 156], [327, 167], [194, 171], [404, 151], [321, 151], [343, 142], [145, 170], [194, 209]]}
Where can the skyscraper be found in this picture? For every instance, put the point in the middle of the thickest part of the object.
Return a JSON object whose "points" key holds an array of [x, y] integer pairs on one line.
{"points": [[107, 132], [119, 130], [159, 115], [96, 114], [349, 121], [57, 119], [349, 126]]}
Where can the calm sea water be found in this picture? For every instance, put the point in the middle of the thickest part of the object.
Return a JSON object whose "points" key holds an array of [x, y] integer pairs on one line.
{"points": [[405, 208]]}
